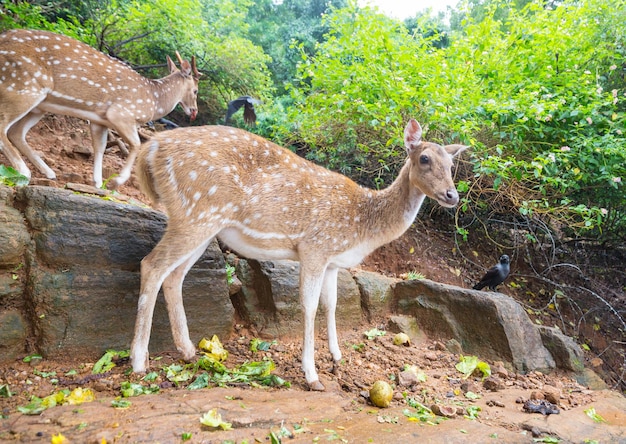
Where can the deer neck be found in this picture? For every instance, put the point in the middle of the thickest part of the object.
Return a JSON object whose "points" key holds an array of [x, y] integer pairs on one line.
{"points": [[392, 211], [166, 93]]}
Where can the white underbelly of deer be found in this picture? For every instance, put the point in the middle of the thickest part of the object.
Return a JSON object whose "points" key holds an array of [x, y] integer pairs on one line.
{"points": [[267, 203]]}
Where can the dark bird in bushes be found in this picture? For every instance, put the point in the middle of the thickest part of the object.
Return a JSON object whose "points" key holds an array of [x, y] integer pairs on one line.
{"points": [[249, 116], [495, 275]]}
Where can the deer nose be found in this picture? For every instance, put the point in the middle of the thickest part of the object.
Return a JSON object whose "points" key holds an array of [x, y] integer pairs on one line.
{"points": [[452, 196]]}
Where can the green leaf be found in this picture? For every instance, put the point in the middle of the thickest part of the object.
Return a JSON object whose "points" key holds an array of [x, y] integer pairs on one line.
{"points": [[130, 389], [105, 363], [373, 333], [10, 177], [468, 364], [591, 412], [201, 381], [213, 419], [121, 403], [5, 391]]}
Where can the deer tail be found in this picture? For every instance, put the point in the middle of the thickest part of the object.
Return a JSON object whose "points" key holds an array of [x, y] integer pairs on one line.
{"points": [[144, 170]]}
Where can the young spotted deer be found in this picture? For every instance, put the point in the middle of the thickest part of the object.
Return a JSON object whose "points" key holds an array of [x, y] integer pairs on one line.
{"points": [[44, 72], [267, 203]]}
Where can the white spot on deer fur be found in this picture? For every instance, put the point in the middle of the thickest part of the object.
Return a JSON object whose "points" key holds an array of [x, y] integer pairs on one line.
{"points": [[212, 190], [193, 175], [197, 195]]}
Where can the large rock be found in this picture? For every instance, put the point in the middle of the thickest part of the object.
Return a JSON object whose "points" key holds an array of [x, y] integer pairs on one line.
{"points": [[83, 257], [566, 353], [376, 293], [271, 297], [489, 325]]}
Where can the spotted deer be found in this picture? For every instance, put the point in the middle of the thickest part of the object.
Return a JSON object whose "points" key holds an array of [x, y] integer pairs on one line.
{"points": [[45, 72], [267, 203]]}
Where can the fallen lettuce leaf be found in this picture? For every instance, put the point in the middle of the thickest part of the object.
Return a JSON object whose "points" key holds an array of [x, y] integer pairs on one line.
{"points": [[213, 348], [201, 381], [79, 395], [105, 363], [75, 397], [257, 344], [5, 391], [468, 364], [119, 403], [213, 419], [11, 177], [591, 412], [130, 389], [58, 439], [373, 333]]}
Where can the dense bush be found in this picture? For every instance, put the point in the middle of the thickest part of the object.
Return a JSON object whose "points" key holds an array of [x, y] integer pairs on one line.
{"points": [[539, 94]]}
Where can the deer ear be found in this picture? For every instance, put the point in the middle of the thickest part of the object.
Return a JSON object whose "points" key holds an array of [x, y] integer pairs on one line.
{"points": [[412, 135], [171, 65], [455, 149]]}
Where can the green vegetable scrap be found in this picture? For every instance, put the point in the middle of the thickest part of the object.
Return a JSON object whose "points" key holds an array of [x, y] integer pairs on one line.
{"points": [[591, 412], [105, 363], [214, 420], [74, 397], [10, 177], [468, 364], [374, 333], [130, 389], [213, 348]]}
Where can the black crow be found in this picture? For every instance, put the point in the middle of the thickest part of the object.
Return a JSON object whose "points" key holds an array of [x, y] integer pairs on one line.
{"points": [[249, 116], [495, 275]]}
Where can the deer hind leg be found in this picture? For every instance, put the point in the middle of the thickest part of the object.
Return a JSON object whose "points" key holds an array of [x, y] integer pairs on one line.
{"points": [[99, 135], [174, 250], [310, 288], [128, 131], [173, 291], [16, 118], [329, 302]]}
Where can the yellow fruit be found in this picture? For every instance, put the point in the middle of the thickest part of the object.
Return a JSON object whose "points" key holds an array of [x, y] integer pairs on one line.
{"points": [[381, 394], [402, 339]]}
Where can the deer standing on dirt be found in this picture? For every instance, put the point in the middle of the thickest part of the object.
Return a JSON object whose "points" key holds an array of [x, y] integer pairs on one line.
{"points": [[267, 203], [45, 72]]}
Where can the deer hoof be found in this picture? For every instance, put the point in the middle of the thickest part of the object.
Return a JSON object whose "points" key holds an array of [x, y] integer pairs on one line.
{"points": [[335, 369], [316, 386]]}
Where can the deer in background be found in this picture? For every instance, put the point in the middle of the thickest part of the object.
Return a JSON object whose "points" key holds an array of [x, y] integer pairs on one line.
{"points": [[267, 203], [45, 72]]}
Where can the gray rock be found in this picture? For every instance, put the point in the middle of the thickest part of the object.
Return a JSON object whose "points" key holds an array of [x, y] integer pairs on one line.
{"points": [[566, 353], [489, 325], [271, 297], [83, 276], [376, 293], [13, 334], [14, 237]]}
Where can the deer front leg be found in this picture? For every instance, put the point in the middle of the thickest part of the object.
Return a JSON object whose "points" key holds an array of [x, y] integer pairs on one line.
{"points": [[310, 288], [173, 292], [17, 135], [329, 301]]}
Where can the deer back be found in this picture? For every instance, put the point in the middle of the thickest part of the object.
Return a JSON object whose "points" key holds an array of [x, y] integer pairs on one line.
{"points": [[78, 80]]}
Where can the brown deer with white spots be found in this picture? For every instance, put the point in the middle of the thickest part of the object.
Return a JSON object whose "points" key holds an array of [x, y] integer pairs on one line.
{"points": [[45, 72], [267, 203]]}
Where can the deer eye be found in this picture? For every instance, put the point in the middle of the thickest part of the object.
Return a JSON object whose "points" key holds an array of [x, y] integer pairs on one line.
{"points": [[424, 159]]}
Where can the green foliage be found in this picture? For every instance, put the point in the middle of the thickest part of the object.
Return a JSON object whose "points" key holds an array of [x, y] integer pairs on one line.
{"points": [[144, 32], [538, 91]]}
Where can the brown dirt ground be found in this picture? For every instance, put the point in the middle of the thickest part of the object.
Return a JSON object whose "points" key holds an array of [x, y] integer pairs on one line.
{"points": [[344, 413]]}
